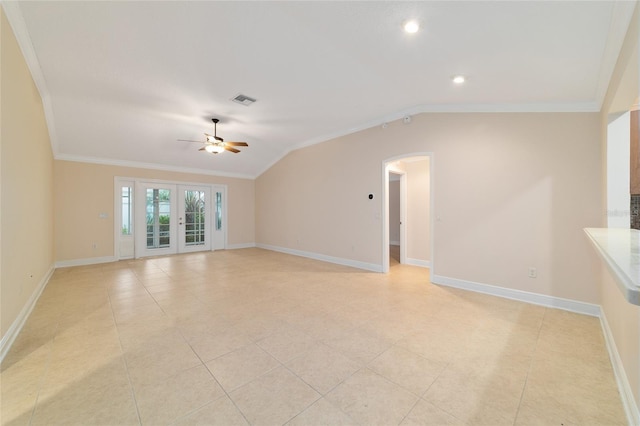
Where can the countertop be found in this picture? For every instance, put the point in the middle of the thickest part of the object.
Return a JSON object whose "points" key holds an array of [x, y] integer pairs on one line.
{"points": [[620, 250]]}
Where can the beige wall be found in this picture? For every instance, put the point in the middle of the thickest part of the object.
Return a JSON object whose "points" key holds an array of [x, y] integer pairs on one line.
{"points": [[83, 191], [622, 317], [511, 190], [26, 188], [418, 219]]}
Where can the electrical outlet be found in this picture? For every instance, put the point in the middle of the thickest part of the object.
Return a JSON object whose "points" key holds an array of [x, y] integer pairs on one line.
{"points": [[533, 272], [94, 246]]}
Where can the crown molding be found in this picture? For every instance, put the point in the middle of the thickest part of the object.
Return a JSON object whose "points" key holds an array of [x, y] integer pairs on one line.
{"points": [[151, 166], [19, 27], [591, 106], [618, 26]]}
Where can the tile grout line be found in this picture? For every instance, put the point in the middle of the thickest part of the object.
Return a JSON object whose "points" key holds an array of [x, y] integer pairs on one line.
{"points": [[124, 358], [44, 375], [526, 380], [201, 362], [214, 378]]}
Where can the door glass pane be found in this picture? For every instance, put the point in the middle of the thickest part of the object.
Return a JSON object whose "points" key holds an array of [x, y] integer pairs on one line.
{"points": [[194, 218], [218, 211], [158, 217], [127, 208]]}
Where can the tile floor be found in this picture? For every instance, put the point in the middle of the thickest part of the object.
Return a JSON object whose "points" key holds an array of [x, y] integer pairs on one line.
{"points": [[256, 337]]}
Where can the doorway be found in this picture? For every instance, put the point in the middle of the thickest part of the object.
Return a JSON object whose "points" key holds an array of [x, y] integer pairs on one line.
{"points": [[172, 219], [407, 181], [397, 206]]}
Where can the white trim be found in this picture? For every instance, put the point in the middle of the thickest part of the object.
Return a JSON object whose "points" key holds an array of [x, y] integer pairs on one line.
{"points": [[19, 27], [419, 262], [152, 166], [18, 323], [626, 394], [404, 213], [394, 243], [384, 207], [85, 261], [523, 296], [324, 258], [241, 246]]}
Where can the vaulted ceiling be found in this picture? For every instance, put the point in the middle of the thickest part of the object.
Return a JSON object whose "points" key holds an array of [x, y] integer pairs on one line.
{"points": [[123, 81]]}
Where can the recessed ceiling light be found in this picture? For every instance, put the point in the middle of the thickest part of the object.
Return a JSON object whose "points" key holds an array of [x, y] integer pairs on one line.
{"points": [[411, 27], [458, 79]]}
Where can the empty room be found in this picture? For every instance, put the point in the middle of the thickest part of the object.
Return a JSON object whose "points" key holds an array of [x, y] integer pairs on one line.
{"points": [[320, 213]]}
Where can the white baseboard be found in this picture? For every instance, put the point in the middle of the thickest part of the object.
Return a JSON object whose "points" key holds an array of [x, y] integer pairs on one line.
{"points": [[240, 246], [86, 261], [418, 262], [337, 260], [394, 243], [626, 394], [523, 296], [18, 323]]}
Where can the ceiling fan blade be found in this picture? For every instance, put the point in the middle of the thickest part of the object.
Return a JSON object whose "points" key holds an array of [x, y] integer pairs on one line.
{"points": [[202, 149], [187, 140], [235, 151], [236, 143]]}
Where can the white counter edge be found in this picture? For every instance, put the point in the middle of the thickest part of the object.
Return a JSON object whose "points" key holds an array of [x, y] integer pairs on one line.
{"points": [[629, 285]]}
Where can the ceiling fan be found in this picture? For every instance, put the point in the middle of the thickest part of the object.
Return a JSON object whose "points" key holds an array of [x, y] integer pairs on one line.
{"points": [[215, 144]]}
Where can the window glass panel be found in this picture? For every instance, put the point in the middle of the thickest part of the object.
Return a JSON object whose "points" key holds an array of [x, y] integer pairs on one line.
{"points": [[218, 211], [194, 220], [127, 209], [158, 217]]}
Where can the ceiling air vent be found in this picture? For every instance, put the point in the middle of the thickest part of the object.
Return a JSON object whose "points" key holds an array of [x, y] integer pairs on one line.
{"points": [[243, 99]]}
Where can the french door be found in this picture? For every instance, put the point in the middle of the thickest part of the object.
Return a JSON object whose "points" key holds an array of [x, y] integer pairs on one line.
{"points": [[172, 219], [194, 218]]}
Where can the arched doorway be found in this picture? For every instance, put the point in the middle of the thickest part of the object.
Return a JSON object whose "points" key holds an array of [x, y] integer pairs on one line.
{"points": [[415, 219]]}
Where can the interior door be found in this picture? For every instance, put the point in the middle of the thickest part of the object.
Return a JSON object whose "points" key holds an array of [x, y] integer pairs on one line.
{"points": [[156, 219], [194, 218]]}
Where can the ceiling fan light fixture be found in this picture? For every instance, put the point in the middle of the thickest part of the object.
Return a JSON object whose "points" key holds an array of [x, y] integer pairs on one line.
{"points": [[214, 149], [214, 144]]}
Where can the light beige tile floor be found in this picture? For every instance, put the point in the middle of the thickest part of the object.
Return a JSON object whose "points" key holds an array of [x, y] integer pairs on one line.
{"points": [[256, 337]]}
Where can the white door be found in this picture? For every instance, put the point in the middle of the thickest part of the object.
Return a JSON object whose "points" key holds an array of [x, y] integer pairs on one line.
{"points": [[220, 217], [156, 214], [168, 218], [194, 218]]}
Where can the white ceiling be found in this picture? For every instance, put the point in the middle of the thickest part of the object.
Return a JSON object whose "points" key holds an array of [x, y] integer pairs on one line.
{"points": [[122, 81]]}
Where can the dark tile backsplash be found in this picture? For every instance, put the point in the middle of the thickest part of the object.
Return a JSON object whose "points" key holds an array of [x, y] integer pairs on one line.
{"points": [[635, 211]]}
